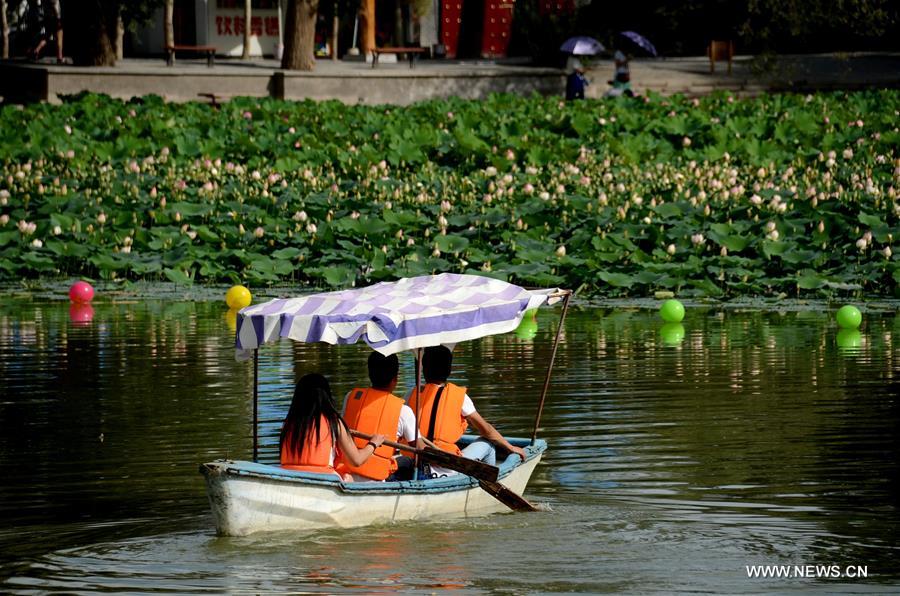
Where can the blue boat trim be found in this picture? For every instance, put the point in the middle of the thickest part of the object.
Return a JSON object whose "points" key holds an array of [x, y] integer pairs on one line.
{"points": [[432, 485]]}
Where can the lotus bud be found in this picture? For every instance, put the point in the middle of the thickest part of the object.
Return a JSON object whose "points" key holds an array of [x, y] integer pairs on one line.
{"points": [[821, 227], [101, 219], [162, 203], [4, 219], [861, 244], [241, 229], [887, 252], [686, 142], [177, 216], [445, 206], [410, 242], [561, 250], [670, 249], [37, 243], [311, 228], [190, 234], [57, 230], [706, 210], [126, 249], [399, 235], [436, 252], [544, 196]]}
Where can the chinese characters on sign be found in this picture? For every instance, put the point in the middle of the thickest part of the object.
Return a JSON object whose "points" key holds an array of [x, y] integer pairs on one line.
{"points": [[234, 25]]}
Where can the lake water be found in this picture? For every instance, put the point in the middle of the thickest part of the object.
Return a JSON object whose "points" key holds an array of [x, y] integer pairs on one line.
{"points": [[677, 458]]}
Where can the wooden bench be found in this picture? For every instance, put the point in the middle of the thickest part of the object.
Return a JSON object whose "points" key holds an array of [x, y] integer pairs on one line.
{"points": [[210, 52], [720, 50], [411, 53]]}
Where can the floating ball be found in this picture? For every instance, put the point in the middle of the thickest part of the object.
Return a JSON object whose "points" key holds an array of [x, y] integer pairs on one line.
{"points": [[672, 311], [81, 313], [672, 334], [238, 297], [849, 317], [81, 292]]}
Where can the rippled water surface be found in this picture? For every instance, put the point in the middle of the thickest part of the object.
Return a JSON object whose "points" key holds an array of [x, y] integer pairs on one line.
{"points": [[678, 456]]}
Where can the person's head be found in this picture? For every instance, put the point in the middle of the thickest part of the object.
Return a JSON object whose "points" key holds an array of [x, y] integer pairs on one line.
{"points": [[383, 371], [312, 401], [436, 363]]}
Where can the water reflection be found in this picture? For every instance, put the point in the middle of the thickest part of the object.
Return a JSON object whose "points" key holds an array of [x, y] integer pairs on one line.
{"points": [[740, 438]]}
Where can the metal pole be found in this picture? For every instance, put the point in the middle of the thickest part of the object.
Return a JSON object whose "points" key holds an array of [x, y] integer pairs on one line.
{"points": [[418, 357], [256, 405], [562, 319]]}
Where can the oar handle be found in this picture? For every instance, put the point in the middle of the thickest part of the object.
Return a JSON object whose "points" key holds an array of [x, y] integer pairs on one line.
{"points": [[400, 446]]}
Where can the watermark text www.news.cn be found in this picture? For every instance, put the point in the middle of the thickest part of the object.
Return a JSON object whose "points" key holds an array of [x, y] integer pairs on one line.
{"points": [[808, 571]]}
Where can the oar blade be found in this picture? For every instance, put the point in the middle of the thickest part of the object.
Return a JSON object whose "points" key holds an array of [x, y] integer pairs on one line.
{"points": [[507, 496]]}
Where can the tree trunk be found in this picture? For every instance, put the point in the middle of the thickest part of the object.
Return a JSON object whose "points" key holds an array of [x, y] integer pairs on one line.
{"points": [[90, 31], [368, 30], [120, 37], [4, 30], [170, 23], [300, 35], [245, 55], [335, 33]]}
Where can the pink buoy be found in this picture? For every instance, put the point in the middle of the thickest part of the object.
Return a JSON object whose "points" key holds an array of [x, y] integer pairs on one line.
{"points": [[81, 313], [81, 292]]}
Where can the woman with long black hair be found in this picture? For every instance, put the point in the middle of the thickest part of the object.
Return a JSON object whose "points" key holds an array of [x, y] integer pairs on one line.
{"points": [[314, 435]]}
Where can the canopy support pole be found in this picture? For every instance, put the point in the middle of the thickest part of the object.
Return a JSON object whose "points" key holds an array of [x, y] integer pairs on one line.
{"points": [[256, 405], [418, 353], [562, 320]]}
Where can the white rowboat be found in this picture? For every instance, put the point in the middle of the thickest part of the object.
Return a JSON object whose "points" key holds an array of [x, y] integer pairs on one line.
{"points": [[248, 497]]}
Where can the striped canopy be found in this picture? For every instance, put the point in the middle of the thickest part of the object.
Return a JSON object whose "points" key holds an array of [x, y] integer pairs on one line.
{"points": [[394, 316]]}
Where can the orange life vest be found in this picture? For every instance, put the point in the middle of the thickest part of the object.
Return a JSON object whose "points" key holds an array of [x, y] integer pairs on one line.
{"points": [[446, 425], [316, 456], [374, 412]]}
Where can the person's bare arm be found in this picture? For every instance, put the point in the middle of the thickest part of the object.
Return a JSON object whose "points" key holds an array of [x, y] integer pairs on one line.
{"points": [[353, 453], [487, 431]]}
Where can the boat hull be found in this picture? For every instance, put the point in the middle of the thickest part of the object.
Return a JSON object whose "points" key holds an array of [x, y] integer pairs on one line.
{"points": [[247, 497]]}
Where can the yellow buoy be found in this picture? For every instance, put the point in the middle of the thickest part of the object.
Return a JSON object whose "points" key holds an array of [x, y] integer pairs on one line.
{"points": [[238, 297]]}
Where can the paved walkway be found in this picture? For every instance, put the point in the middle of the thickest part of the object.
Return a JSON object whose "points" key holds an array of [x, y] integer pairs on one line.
{"points": [[356, 81]]}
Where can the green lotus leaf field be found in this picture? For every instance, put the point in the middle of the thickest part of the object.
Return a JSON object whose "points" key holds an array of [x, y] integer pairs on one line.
{"points": [[716, 196]]}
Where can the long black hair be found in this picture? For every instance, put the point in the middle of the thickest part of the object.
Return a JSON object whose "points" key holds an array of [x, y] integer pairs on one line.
{"points": [[312, 400]]}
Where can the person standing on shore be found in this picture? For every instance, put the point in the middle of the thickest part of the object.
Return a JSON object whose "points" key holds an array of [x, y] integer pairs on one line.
{"points": [[51, 27]]}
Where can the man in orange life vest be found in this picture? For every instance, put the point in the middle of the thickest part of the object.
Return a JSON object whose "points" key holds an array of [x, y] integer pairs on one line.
{"points": [[376, 411], [445, 410]]}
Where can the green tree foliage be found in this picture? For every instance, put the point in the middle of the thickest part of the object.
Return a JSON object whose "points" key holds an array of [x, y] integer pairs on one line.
{"points": [[757, 26]]}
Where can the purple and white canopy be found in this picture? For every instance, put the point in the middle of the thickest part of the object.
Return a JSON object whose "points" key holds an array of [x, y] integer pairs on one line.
{"points": [[394, 316]]}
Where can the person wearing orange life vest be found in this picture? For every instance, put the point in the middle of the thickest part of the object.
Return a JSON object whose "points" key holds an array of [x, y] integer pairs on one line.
{"points": [[445, 410], [314, 436], [377, 410]]}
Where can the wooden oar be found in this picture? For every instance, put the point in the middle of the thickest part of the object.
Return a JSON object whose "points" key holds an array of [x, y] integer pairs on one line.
{"points": [[470, 467], [500, 492]]}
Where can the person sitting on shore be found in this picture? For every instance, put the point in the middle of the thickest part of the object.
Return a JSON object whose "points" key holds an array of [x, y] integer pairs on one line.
{"points": [[376, 410], [314, 436], [445, 410]]}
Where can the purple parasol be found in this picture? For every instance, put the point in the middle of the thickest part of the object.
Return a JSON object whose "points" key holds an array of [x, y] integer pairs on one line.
{"points": [[640, 41]]}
